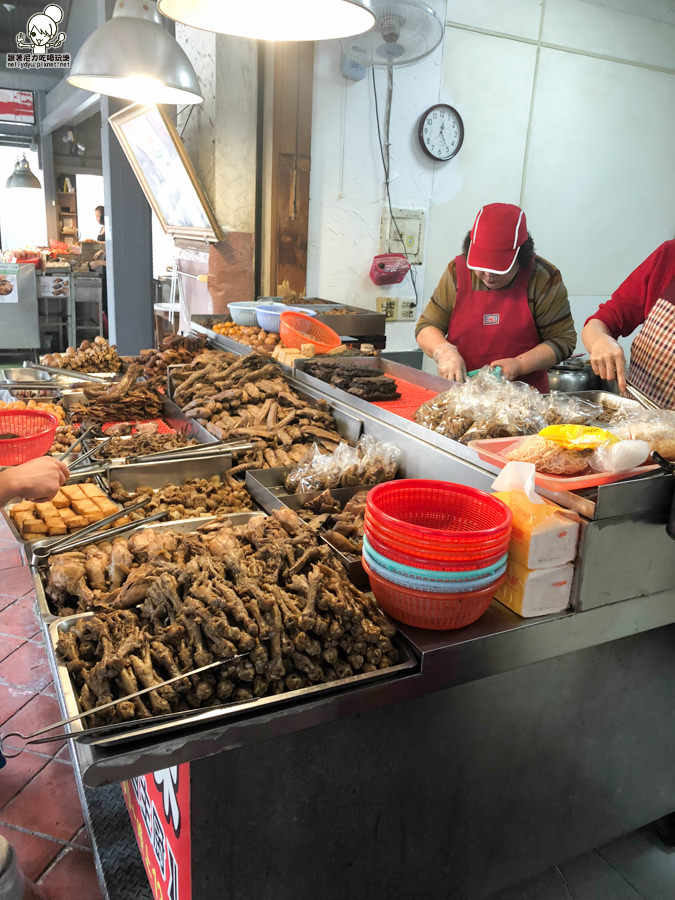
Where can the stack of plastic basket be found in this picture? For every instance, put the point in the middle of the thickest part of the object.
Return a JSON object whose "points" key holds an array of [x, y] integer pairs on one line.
{"points": [[435, 552]]}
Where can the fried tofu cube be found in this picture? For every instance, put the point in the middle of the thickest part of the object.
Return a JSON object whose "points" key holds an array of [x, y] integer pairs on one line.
{"points": [[108, 508], [60, 501], [76, 522], [21, 517], [56, 526], [73, 491], [46, 510], [33, 526], [83, 507], [26, 506], [66, 514], [92, 490]]}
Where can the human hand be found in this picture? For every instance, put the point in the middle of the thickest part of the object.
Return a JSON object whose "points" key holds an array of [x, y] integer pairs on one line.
{"points": [[450, 363], [608, 360], [38, 479], [512, 368], [100, 254]]}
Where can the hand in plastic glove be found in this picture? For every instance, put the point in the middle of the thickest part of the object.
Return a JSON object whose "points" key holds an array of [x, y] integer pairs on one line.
{"points": [[608, 360], [512, 369], [38, 479], [450, 363]]}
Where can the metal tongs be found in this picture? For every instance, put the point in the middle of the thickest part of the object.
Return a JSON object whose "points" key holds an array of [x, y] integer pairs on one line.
{"points": [[44, 550], [83, 457], [641, 397], [71, 374], [39, 736], [195, 451], [79, 440]]}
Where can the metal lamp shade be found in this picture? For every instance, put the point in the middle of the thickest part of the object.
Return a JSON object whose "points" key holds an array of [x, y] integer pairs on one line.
{"points": [[135, 59], [22, 177], [273, 20]]}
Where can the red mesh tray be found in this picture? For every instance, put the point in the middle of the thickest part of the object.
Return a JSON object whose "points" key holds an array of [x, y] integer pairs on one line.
{"points": [[162, 427], [412, 397]]}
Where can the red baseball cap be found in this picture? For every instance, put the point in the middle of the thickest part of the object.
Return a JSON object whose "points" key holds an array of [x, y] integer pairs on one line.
{"points": [[498, 233]]}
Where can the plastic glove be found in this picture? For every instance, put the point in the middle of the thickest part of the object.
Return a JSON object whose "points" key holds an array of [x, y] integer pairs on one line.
{"points": [[511, 368], [450, 363], [608, 360]]}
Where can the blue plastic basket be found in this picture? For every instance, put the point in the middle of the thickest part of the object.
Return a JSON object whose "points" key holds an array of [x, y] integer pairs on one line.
{"points": [[432, 587], [419, 574], [269, 314]]}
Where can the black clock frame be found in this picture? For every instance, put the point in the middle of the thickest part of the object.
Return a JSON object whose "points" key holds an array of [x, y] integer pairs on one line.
{"points": [[420, 131]]}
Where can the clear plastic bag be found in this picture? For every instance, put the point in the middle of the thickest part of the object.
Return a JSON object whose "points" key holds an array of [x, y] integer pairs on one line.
{"points": [[369, 462], [656, 427]]}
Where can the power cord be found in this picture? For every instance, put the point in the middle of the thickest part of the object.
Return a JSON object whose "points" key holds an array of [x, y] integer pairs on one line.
{"points": [[385, 163]]}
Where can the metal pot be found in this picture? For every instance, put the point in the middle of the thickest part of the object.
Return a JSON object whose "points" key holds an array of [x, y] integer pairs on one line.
{"points": [[570, 376], [669, 467]]}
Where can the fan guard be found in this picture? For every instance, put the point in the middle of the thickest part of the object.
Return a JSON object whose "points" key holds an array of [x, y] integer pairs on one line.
{"points": [[405, 31]]}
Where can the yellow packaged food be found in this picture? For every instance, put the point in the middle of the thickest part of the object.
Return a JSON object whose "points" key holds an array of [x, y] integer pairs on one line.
{"points": [[577, 437], [543, 535], [536, 592]]}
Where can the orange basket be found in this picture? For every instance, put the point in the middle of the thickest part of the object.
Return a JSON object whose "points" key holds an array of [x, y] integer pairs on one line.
{"points": [[296, 329], [34, 432]]}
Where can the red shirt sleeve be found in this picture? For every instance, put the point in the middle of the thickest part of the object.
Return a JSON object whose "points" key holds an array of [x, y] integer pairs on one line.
{"points": [[632, 301]]}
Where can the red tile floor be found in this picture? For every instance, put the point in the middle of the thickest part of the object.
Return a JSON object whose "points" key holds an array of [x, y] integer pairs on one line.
{"points": [[40, 812]]}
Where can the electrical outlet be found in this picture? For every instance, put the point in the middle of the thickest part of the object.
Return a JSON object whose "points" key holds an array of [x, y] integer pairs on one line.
{"points": [[407, 310], [388, 306], [404, 233]]}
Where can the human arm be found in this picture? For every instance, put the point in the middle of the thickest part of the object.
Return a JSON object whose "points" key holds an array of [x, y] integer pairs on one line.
{"points": [[38, 479], [607, 357], [446, 356], [543, 356]]}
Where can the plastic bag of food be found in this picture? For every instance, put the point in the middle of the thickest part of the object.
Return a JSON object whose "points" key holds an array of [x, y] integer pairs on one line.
{"points": [[656, 427], [369, 462], [619, 456], [562, 409]]}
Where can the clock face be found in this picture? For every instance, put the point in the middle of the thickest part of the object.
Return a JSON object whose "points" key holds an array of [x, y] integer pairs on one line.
{"points": [[441, 132]]}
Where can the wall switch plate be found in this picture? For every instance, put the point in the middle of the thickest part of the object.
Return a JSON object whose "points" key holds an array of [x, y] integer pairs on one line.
{"points": [[388, 306], [407, 310]]}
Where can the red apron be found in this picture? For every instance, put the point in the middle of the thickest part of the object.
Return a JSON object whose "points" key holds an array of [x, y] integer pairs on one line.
{"points": [[652, 355], [487, 325]]}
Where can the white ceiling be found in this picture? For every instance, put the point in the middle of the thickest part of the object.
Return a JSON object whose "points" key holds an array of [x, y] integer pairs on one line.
{"points": [[660, 10]]}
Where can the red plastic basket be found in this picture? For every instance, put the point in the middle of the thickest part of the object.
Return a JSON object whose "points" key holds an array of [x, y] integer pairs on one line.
{"points": [[397, 554], [389, 268], [439, 512], [423, 609], [296, 329], [35, 432]]}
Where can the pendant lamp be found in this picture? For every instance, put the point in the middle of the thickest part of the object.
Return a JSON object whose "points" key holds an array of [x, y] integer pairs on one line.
{"points": [[273, 20], [22, 177], [133, 57]]}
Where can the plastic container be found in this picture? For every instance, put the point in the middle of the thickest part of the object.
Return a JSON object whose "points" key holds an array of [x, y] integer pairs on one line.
{"points": [[298, 328], [243, 312], [439, 511], [35, 432], [438, 612], [269, 314], [432, 587], [389, 268], [440, 576]]}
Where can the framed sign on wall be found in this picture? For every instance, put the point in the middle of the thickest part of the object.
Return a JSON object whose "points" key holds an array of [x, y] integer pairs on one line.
{"points": [[164, 170]]}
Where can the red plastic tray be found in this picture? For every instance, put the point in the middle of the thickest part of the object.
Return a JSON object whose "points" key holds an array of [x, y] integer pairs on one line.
{"points": [[494, 450], [412, 397], [162, 427]]}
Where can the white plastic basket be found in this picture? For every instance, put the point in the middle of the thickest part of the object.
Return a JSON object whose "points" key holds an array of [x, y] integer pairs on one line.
{"points": [[243, 312]]}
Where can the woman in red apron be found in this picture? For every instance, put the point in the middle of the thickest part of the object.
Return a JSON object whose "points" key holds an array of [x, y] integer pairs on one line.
{"points": [[647, 298], [499, 305]]}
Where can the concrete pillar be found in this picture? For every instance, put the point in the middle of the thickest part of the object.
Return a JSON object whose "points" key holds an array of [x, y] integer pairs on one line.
{"points": [[128, 244]]}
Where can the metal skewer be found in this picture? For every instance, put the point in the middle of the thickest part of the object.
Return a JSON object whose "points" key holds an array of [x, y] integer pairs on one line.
{"points": [[35, 736]]}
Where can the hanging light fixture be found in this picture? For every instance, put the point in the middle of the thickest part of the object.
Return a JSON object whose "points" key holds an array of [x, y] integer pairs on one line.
{"points": [[133, 57], [22, 177], [273, 20]]}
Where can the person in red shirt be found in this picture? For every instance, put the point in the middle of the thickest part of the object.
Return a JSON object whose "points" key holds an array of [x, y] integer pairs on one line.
{"points": [[647, 298]]}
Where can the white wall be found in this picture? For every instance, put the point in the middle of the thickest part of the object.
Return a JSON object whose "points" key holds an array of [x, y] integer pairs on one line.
{"points": [[89, 195], [568, 110]]}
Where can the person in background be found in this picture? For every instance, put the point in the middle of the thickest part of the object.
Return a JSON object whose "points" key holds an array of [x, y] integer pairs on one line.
{"points": [[99, 212], [647, 298], [39, 480], [498, 304]]}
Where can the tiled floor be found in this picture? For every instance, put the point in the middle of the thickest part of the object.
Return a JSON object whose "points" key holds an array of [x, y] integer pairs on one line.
{"points": [[40, 812]]}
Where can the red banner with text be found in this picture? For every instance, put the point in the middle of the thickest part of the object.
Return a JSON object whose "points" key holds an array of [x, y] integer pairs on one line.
{"points": [[159, 807]]}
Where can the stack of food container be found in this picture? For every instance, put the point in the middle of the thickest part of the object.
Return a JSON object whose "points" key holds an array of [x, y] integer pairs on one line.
{"points": [[435, 552]]}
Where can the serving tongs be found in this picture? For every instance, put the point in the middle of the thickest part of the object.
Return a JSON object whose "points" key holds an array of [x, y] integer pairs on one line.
{"points": [[43, 550], [79, 440], [83, 457], [636, 394], [39, 736], [71, 374], [195, 451]]}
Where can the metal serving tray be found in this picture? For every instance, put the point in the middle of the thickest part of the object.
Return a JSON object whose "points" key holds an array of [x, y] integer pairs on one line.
{"points": [[147, 731], [160, 474], [267, 488], [39, 572], [607, 399], [26, 374]]}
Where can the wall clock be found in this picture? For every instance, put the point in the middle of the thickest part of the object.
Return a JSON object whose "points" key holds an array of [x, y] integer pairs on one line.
{"points": [[441, 132]]}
